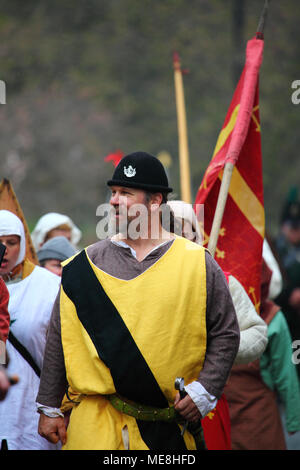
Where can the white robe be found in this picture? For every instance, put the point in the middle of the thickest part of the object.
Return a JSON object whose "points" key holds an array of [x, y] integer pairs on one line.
{"points": [[30, 306]]}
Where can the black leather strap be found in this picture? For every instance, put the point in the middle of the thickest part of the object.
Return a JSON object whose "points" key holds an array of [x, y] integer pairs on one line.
{"points": [[24, 353]]}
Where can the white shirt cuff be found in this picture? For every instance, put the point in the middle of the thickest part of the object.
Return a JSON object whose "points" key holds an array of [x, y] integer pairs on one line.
{"points": [[204, 401], [49, 411]]}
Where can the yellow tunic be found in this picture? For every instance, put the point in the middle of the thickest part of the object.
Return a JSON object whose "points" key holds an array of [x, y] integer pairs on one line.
{"points": [[164, 309]]}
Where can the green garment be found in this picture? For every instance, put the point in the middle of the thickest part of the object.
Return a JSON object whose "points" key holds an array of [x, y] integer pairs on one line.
{"points": [[279, 372]]}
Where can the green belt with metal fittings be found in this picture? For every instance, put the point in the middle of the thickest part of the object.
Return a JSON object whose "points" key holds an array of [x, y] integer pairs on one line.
{"points": [[150, 413], [143, 412]]}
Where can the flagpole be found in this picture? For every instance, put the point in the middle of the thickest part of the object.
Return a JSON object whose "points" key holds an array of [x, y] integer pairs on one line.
{"points": [[185, 182], [222, 198], [229, 166]]}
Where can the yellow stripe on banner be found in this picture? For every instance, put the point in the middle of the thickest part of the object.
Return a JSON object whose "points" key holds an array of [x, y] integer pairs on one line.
{"points": [[225, 132], [223, 136], [247, 201]]}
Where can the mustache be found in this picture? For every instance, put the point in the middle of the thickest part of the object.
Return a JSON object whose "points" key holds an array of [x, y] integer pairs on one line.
{"points": [[117, 210]]}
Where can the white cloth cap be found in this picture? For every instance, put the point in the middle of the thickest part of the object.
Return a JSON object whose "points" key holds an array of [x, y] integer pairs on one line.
{"points": [[49, 222], [183, 210], [10, 224]]}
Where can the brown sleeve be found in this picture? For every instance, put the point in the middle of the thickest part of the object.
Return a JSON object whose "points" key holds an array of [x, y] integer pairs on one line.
{"points": [[223, 333], [53, 382]]}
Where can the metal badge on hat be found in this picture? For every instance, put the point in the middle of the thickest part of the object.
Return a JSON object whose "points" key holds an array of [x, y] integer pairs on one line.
{"points": [[129, 171]]}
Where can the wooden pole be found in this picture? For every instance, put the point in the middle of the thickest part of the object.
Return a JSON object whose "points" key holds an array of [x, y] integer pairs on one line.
{"points": [[222, 198], [228, 168], [185, 182]]}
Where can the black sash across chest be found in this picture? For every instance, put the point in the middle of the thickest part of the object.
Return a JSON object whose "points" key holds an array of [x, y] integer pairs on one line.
{"points": [[116, 347]]}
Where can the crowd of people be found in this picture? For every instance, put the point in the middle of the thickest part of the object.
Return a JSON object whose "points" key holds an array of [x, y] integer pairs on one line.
{"points": [[95, 338]]}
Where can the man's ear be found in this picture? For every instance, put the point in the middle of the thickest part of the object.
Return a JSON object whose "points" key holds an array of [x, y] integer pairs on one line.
{"points": [[156, 200]]}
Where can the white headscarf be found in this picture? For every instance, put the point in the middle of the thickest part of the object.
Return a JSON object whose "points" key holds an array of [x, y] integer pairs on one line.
{"points": [[184, 211], [49, 222], [10, 224]]}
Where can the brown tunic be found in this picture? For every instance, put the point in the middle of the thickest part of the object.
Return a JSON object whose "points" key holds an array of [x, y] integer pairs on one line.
{"points": [[222, 324]]}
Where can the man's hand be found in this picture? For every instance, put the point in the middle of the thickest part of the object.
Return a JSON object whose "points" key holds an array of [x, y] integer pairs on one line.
{"points": [[187, 408], [52, 429]]}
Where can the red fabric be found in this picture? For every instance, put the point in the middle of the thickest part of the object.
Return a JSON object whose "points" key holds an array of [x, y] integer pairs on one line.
{"points": [[254, 54], [239, 247], [216, 427], [114, 157], [4, 315]]}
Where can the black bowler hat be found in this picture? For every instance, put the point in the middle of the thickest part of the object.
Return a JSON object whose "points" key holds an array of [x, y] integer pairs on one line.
{"points": [[142, 171]]}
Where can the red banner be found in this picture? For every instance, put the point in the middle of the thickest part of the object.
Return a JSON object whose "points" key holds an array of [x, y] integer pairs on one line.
{"points": [[239, 247]]}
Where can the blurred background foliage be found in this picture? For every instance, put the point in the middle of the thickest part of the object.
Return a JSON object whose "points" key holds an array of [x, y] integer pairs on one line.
{"points": [[86, 78]]}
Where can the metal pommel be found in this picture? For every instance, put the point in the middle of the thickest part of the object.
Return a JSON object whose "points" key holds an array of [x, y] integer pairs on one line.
{"points": [[179, 385]]}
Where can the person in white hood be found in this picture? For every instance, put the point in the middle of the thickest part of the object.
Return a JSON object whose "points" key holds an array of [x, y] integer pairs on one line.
{"points": [[53, 225], [32, 291]]}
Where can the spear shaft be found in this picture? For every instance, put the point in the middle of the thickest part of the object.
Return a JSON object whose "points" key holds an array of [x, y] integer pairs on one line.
{"points": [[185, 182]]}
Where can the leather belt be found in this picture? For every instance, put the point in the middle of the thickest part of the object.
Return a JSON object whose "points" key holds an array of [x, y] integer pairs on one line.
{"points": [[143, 412], [149, 413]]}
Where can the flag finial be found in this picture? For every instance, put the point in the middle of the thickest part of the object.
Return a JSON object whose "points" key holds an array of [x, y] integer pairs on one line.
{"points": [[262, 21]]}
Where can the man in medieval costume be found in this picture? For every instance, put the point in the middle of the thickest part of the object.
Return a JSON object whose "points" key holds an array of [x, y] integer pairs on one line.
{"points": [[133, 314]]}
